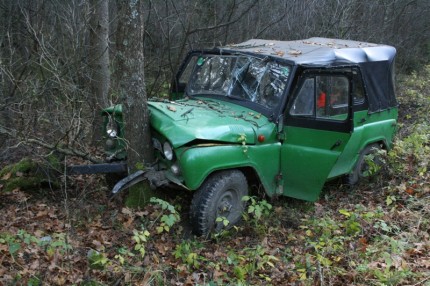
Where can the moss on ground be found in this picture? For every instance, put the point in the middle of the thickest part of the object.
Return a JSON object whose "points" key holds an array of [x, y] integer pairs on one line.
{"points": [[139, 195], [23, 166], [28, 175]]}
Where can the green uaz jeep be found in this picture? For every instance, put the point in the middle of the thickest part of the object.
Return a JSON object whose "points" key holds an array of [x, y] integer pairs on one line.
{"points": [[287, 116]]}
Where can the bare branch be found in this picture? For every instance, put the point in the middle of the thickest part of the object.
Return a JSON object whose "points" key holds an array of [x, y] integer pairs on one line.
{"points": [[53, 147]]}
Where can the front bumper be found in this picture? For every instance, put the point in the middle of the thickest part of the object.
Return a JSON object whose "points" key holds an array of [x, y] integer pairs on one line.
{"points": [[118, 167]]}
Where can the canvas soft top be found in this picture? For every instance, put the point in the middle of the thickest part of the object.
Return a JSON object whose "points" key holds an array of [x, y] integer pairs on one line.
{"points": [[318, 51], [376, 61]]}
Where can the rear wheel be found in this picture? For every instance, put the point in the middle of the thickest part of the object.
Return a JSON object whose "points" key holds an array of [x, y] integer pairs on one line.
{"points": [[361, 169], [220, 196]]}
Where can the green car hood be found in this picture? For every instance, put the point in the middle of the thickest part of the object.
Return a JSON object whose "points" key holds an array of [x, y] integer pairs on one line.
{"points": [[212, 120]]}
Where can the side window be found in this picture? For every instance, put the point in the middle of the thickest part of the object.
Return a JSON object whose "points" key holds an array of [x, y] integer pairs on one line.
{"points": [[324, 97], [185, 76], [305, 100], [332, 97]]}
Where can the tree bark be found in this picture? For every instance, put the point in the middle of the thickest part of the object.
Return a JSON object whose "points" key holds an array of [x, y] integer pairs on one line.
{"points": [[132, 85], [99, 57]]}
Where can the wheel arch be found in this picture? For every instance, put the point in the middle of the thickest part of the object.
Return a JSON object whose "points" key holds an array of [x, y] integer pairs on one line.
{"points": [[354, 176], [255, 166], [250, 173], [382, 142]]}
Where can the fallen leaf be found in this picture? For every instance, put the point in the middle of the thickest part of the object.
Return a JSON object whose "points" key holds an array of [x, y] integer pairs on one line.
{"points": [[377, 265], [410, 191], [141, 213], [424, 262], [6, 176], [99, 246], [35, 265], [128, 222], [4, 247], [363, 244], [41, 214], [171, 108], [295, 52], [127, 211], [60, 280], [162, 249], [279, 53]]}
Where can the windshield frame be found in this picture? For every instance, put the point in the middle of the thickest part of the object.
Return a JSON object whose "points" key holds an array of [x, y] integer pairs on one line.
{"points": [[280, 70]]}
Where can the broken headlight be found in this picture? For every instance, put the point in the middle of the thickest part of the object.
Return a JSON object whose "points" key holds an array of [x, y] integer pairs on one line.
{"points": [[112, 128], [112, 133]]}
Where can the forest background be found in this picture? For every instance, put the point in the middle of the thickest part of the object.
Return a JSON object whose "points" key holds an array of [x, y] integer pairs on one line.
{"points": [[62, 61]]}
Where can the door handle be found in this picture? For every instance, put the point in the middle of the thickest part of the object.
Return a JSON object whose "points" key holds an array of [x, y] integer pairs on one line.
{"points": [[337, 144]]}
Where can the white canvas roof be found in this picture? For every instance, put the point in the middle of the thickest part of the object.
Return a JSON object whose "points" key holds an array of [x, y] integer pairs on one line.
{"points": [[318, 51]]}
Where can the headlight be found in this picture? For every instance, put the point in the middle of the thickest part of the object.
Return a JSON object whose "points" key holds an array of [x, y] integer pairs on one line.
{"points": [[112, 133], [111, 127], [168, 151]]}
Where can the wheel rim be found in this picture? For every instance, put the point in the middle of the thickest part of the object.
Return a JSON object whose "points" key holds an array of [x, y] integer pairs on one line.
{"points": [[227, 208], [364, 168]]}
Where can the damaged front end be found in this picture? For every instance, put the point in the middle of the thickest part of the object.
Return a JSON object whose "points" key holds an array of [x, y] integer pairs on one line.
{"points": [[115, 167], [115, 148]]}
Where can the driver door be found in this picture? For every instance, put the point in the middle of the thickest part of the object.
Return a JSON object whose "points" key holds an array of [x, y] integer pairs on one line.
{"points": [[316, 130]]}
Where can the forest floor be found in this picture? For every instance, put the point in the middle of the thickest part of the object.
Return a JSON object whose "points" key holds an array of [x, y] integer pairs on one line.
{"points": [[375, 233]]}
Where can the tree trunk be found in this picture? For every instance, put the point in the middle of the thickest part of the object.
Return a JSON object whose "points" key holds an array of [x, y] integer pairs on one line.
{"points": [[132, 85], [99, 59]]}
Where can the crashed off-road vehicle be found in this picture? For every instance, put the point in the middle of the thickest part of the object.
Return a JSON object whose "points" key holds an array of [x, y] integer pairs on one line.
{"points": [[284, 115]]}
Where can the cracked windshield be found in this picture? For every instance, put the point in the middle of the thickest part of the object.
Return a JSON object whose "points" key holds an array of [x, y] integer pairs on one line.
{"points": [[241, 77]]}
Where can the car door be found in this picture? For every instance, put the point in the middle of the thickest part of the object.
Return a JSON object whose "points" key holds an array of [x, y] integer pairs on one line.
{"points": [[317, 127]]}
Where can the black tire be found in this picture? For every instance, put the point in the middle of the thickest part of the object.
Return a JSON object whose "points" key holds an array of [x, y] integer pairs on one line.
{"points": [[360, 168], [219, 196]]}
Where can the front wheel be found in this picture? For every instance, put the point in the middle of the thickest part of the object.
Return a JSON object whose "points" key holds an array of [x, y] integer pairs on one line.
{"points": [[362, 169], [220, 196]]}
